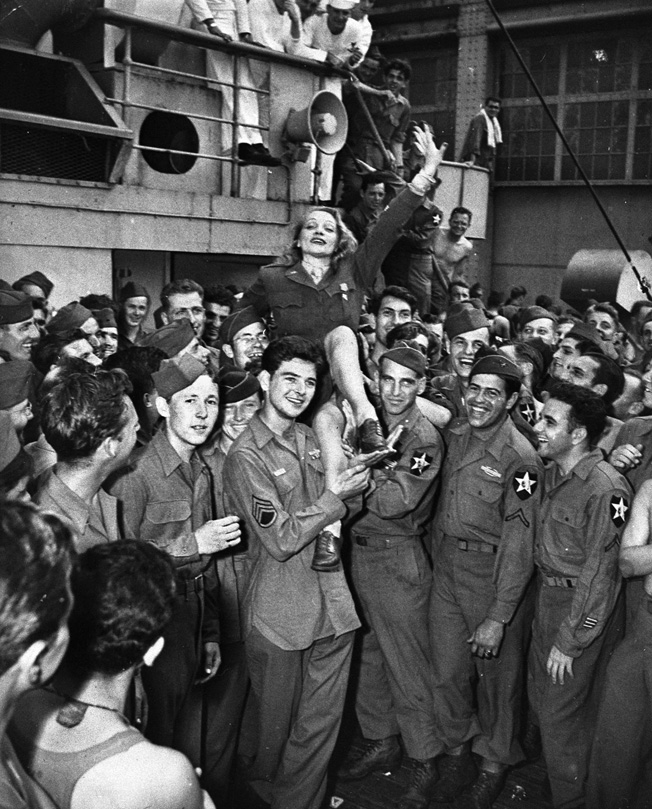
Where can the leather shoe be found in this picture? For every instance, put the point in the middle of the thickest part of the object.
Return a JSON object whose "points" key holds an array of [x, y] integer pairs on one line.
{"points": [[326, 558], [371, 436], [455, 773], [380, 754], [422, 779], [483, 792]]}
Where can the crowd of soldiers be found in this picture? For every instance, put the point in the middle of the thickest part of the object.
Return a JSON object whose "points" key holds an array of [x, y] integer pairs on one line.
{"points": [[317, 486]]}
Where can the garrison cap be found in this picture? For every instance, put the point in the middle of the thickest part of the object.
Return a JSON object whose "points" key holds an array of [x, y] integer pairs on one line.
{"points": [[9, 443], [15, 306], [37, 279], [237, 385], [410, 358], [15, 378], [535, 313], [497, 364], [237, 321], [69, 317], [105, 318], [463, 320], [176, 375], [172, 338], [133, 290]]}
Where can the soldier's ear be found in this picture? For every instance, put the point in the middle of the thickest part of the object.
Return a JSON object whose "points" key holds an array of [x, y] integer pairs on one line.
{"points": [[511, 401], [162, 407], [226, 348], [264, 379], [421, 386], [579, 435]]}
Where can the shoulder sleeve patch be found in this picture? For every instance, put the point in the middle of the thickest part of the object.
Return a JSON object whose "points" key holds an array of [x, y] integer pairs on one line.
{"points": [[618, 509], [528, 412], [420, 462], [525, 483], [263, 511]]}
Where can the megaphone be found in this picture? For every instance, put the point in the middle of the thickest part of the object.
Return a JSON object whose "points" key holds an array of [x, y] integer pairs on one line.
{"points": [[323, 122]]}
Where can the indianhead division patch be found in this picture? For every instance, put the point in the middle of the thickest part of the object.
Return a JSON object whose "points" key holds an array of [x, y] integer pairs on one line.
{"points": [[419, 462], [527, 410], [618, 508], [263, 511], [525, 483]]}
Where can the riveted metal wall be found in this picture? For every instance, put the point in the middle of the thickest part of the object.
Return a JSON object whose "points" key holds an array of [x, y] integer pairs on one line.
{"points": [[472, 65]]}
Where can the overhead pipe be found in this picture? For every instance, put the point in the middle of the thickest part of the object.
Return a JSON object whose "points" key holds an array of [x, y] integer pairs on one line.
{"points": [[24, 22]]}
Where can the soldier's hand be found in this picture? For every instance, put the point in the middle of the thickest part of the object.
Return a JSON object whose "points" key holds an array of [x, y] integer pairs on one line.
{"points": [[350, 482], [486, 640], [558, 665], [211, 660], [218, 535], [626, 456], [292, 9]]}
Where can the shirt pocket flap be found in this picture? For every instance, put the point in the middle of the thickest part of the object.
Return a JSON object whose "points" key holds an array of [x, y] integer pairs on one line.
{"points": [[169, 511], [486, 490], [567, 515]]}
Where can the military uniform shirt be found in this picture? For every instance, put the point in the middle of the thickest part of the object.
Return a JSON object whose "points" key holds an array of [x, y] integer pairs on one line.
{"points": [[276, 485], [490, 493], [401, 503], [578, 536]]}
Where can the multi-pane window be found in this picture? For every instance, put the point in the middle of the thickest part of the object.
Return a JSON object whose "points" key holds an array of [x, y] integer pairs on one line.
{"points": [[432, 90], [599, 89]]}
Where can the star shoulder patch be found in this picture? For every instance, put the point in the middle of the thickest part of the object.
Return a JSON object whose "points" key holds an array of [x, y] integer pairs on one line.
{"points": [[419, 462], [618, 509], [528, 411], [263, 511], [525, 483]]}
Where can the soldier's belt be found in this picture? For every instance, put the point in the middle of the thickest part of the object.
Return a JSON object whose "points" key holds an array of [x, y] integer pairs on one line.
{"points": [[365, 541], [569, 582], [186, 587], [476, 547]]}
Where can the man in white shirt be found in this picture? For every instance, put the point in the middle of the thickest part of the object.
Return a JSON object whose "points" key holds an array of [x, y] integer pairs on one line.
{"points": [[335, 35]]}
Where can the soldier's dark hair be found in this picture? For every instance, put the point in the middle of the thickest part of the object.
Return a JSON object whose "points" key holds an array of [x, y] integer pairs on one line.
{"points": [[36, 550], [461, 210], [401, 65], [220, 295], [587, 409], [82, 409], [183, 286], [124, 596], [608, 373], [292, 347], [392, 292]]}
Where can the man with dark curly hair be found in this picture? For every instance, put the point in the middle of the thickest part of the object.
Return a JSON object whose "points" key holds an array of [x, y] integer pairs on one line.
{"points": [[90, 422]]}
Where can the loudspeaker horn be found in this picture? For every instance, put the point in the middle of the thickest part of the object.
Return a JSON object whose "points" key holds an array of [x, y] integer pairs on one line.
{"points": [[323, 122]]}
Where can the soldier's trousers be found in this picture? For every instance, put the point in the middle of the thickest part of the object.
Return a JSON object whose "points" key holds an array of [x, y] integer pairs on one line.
{"points": [[622, 743], [300, 698], [566, 713], [475, 699], [391, 579]]}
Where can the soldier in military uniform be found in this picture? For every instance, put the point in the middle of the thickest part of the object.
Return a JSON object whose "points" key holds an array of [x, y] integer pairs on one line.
{"points": [[391, 577], [623, 735], [482, 560], [467, 328], [583, 511], [299, 623]]}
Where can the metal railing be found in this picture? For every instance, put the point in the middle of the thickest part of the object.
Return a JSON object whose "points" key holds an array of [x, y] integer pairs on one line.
{"points": [[237, 51]]}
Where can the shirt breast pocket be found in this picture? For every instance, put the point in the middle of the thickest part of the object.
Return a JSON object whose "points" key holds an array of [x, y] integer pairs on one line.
{"points": [[167, 521], [481, 505], [567, 535]]}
